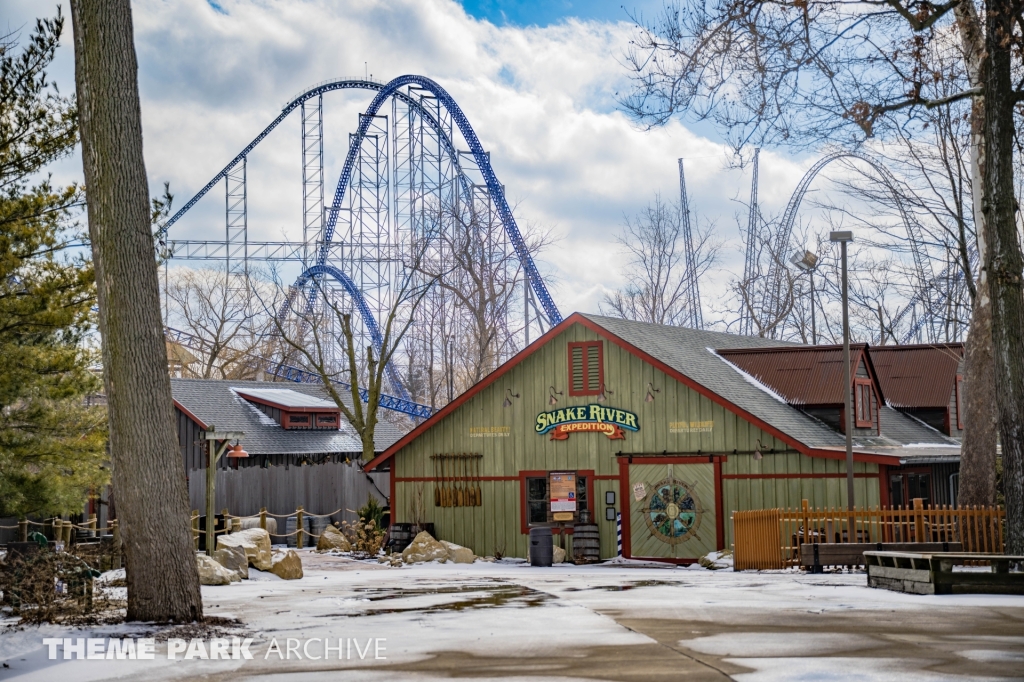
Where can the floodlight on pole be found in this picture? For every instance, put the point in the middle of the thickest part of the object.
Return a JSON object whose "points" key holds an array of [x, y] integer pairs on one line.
{"points": [[844, 237], [808, 262]]}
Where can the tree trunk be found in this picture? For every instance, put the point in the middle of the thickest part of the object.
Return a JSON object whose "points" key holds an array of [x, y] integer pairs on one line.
{"points": [[978, 452], [152, 504], [1005, 262]]}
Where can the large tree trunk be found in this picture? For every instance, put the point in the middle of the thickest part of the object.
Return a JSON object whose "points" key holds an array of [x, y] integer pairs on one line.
{"points": [[152, 504], [1005, 262], [978, 453]]}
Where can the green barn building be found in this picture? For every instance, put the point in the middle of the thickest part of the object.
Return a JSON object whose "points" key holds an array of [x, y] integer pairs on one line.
{"points": [[675, 429]]}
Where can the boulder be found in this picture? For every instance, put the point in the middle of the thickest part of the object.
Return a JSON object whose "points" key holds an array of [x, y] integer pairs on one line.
{"points": [[557, 555], [332, 538], [716, 560], [255, 542], [254, 522], [458, 554], [424, 548], [212, 573], [233, 559], [286, 565]]}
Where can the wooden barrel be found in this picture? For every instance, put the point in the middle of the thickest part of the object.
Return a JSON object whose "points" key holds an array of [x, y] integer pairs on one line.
{"points": [[291, 526], [586, 544]]}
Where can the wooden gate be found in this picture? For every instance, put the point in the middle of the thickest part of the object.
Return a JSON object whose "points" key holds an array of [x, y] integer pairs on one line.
{"points": [[672, 510]]}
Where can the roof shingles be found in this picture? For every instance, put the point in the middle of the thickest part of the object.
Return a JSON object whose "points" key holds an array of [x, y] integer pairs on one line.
{"points": [[216, 402]]}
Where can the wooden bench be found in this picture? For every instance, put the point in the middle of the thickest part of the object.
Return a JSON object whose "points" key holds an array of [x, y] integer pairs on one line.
{"points": [[932, 573], [816, 555]]}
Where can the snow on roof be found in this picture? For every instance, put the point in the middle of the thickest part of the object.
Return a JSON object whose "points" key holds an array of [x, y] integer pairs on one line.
{"points": [[285, 397]]}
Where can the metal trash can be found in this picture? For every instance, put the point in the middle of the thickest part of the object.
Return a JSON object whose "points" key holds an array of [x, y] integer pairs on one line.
{"points": [[540, 547]]}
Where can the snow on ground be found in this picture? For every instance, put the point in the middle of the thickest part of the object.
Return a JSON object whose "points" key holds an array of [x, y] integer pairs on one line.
{"points": [[534, 623]]}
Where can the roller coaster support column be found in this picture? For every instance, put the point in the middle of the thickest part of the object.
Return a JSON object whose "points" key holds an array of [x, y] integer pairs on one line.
{"points": [[312, 176]]}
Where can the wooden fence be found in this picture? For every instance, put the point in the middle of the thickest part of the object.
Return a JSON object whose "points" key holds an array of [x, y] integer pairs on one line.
{"points": [[767, 539]]}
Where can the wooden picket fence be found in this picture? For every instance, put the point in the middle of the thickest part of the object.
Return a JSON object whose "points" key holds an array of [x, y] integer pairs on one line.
{"points": [[765, 539]]}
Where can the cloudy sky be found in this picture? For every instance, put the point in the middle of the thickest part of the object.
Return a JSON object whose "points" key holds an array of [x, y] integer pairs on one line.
{"points": [[537, 81]]}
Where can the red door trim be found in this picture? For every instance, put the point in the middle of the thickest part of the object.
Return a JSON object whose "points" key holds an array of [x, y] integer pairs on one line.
{"points": [[625, 492], [624, 506], [524, 527]]}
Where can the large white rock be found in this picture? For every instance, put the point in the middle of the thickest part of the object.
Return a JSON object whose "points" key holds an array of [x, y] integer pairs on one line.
{"points": [[233, 559], [286, 565], [212, 573], [332, 538], [716, 560], [254, 522], [424, 548], [255, 542], [557, 555], [458, 554]]}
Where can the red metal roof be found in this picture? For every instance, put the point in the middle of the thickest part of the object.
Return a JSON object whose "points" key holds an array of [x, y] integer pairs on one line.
{"points": [[801, 375], [917, 376]]}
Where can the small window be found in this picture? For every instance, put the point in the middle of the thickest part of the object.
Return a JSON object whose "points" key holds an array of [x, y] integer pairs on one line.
{"points": [[326, 419], [586, 368], [538, 502], [298, 419], [959, 402], [863, 393]]}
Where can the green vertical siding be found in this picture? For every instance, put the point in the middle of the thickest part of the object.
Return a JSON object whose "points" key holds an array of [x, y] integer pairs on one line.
{"points": [[496, 524]]}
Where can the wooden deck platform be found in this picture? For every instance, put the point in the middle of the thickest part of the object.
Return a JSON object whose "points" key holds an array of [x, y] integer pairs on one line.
{"points": [[932, 573], [815, 556]]}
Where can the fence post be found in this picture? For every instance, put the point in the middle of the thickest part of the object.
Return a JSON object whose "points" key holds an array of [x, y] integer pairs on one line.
{"points": [[69, 531], [298, 527], [805, 508], [918, 519], [92, 525], [263, 518], [115, 560], [23, 530], [58, 529]]}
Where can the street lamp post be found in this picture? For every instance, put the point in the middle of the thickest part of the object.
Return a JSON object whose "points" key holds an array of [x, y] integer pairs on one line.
{"points": [[808, 262], [843, 238], [212, 436]]}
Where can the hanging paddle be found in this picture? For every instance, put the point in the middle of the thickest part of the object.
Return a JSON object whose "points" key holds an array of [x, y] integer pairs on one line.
{"points": [[437, 483]]}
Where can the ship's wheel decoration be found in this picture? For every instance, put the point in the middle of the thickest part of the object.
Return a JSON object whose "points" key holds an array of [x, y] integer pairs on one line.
{"points": [[673, 511]]}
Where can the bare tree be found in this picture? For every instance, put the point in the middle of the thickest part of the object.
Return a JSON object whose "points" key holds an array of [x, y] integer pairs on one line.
{"points": [[355, 381], [656, 288], [767, 300], [472, 320], [808, 73], [217, 310], [152, 502]]}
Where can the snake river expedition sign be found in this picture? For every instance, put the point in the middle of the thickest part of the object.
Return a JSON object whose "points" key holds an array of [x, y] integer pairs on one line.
{"points": [[610, 421]]}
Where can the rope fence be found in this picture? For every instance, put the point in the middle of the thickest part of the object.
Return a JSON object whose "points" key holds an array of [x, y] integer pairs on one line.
{"points": [[62, 529]]}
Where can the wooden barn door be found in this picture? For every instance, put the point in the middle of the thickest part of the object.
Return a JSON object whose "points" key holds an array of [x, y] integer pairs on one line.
{"points": [[672, 510]]}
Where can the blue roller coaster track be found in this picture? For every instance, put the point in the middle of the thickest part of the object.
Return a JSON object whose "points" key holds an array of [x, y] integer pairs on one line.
{"points": [[393, 89]]}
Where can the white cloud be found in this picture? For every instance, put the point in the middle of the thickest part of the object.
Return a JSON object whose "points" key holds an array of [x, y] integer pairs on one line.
{"points": [[542, 101]]}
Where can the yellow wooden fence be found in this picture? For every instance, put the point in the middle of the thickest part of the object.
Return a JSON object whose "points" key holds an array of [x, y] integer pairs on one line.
{"points": [[771, 538]]}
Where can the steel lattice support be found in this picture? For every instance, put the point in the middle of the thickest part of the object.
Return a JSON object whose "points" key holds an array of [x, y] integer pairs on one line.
{"points": [[695, 316], [403, 189], [753, 239], [312, 176]]}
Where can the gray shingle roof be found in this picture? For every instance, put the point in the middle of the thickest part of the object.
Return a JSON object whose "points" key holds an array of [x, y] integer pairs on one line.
{"points": [[692, 353], [214, 402]]}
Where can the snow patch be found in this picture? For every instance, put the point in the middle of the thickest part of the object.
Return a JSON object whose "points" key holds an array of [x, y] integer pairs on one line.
{"points": [[930, 445], [749, 379], [264, 418]]}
